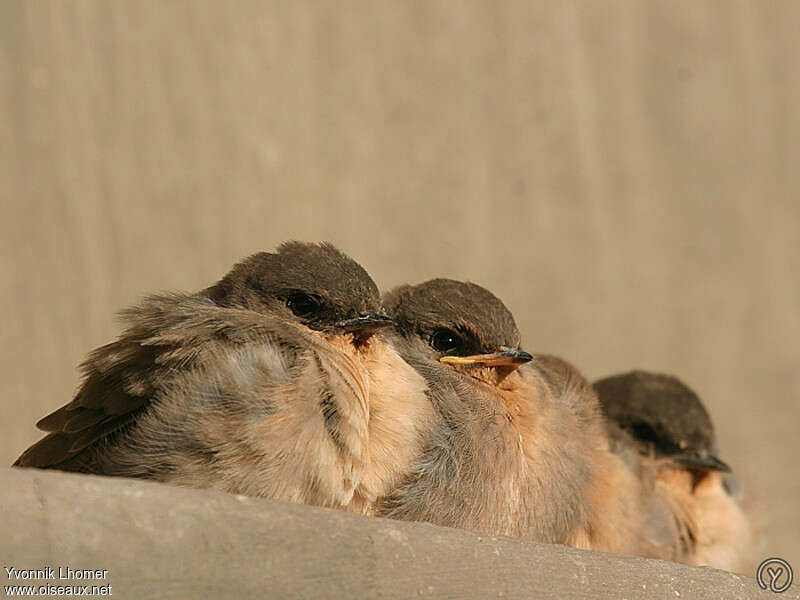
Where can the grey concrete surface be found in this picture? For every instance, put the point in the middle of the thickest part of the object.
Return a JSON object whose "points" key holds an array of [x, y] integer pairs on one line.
{"points": [[157, 541], [623, 174]]}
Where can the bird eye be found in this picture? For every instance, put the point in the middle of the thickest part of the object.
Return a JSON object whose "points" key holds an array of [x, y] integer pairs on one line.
{"points": [[644, 432], [445, 340], [302, 305]]}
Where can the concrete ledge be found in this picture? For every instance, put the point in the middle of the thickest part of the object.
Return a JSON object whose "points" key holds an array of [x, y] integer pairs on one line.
{"points": [[159, 541]]}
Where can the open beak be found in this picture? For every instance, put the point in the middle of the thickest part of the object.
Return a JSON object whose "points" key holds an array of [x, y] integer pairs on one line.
{"points": [[703, 460], [504, 357], [364, 325]]}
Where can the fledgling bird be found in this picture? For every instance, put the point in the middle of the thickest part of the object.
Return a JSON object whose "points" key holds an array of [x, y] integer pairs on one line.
{"points": [[274, 382], [667, 435], [514, 446]]}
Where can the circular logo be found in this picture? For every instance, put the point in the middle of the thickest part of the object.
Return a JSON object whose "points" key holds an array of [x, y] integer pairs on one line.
{"points": [[775, 574]]}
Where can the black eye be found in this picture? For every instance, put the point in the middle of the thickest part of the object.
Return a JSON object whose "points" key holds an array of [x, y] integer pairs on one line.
{"points": [[445, 340], [645, 433], [302, 305]]}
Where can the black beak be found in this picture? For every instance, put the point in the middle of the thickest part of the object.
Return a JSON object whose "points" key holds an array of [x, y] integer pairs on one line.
{"points": [[514, 355], [504, 357], [364, 325], [703, 460]]}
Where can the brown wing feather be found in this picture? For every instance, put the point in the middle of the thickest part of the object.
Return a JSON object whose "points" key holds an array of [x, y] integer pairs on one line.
{"points": [[166, 335]]}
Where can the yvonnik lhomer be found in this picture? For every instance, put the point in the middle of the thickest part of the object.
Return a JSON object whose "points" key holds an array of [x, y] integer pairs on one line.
{"points": [[60, 573]]}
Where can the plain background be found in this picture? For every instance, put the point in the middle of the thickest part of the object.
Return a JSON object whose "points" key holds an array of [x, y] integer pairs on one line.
{"points": [[624, 175]]}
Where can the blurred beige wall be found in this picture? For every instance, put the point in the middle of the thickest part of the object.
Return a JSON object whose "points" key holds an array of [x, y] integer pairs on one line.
{"points": [[623, 174]]}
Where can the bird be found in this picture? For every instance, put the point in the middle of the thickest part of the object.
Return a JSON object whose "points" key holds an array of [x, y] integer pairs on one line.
{"points": [[516, 438], [666, 435], [275, 382]]}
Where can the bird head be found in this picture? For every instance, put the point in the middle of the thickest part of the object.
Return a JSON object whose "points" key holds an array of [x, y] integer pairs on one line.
{"points": [[314, 285], [460, 325], [664, 417]]}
